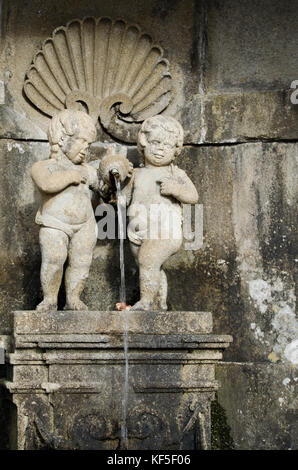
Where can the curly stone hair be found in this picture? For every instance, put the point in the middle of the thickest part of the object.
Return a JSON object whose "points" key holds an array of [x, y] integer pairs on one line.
{"points": [[70, 122], [169, 124]]}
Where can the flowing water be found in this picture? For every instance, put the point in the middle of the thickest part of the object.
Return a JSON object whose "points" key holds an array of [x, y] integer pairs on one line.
{"points": [[124, 436], [121, 236]]}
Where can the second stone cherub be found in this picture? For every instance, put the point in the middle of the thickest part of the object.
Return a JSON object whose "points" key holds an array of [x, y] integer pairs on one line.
{"points": [[154, 194]]}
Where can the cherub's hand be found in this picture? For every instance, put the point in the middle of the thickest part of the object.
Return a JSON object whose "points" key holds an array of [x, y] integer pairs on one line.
{"points": [[76, 177], [130, 170], [167, 186], [170, 185]]}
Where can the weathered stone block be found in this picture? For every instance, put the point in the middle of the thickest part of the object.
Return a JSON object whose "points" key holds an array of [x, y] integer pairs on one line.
{"points": [[34, 374], [259, 401], [227, 117], [18, 233], [251, 45], [91, 323], [244, 271]]}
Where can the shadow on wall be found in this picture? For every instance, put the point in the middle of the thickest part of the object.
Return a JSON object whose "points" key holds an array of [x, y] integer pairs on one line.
{"points": [[8, 419]]}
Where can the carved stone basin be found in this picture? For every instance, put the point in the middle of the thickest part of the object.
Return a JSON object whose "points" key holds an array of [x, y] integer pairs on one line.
{"points": [[68, 377]]}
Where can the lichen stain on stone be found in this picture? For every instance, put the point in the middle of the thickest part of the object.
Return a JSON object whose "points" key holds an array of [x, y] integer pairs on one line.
{"points": [[260, 291], [259, 334], [285, 324], [281, 401], [10, 147], [273, 357], [275, 297], [286, 381], [291, 352]]}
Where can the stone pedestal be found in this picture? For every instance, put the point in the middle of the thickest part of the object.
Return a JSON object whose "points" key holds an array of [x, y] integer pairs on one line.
{"points": [[74, 388]]}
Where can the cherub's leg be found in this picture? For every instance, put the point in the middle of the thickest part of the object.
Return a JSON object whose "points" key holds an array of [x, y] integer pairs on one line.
{"points": [[135, 251], [152, 255], [53, 244], [163, 291], [79, 260]]}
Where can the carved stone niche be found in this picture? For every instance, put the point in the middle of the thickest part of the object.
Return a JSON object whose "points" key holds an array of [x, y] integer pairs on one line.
{"points": [[108, 67], [68, 379]]}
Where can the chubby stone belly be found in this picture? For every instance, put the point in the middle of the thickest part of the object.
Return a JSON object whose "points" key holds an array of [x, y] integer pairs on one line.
{"points": [[71, 207]]}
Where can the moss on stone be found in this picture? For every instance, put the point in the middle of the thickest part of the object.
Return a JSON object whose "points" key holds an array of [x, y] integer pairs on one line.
{"points": [[220, 430]]}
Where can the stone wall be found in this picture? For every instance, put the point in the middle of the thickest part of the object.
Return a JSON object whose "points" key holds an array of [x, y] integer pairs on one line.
{"points": [[232, 64]]}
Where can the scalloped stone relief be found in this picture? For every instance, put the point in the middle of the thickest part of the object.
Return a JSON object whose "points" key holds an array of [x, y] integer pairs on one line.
{"points": [[109, 68]]}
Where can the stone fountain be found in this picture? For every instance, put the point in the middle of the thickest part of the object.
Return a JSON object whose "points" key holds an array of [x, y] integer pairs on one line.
{"points": [[140, 377]]}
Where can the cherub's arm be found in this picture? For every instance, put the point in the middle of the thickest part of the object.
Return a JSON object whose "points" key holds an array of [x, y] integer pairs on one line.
{"points": [[93, 181], [127, 190], [55, 182], [179, 185]]}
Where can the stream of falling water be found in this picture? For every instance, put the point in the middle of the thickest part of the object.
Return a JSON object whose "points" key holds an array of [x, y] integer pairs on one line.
{"points": [[124, 436], [121, 236]]}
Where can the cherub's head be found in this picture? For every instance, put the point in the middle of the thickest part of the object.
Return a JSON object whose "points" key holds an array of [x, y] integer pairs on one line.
{"points": [[160, 140], [71, 132]]}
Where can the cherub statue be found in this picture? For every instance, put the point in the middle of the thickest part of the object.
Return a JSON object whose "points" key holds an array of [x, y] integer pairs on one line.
{"points": [[66, 218], [154, 194]]}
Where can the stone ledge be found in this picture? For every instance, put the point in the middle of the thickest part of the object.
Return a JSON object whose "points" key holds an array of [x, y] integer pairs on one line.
{"points": [[50, 387], [135, 341], [96, 387], [77, 322], [20, 358], [204, 386]]}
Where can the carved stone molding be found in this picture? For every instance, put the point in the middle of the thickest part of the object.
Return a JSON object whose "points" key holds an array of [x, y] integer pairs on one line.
{"points": [[108, 67]]}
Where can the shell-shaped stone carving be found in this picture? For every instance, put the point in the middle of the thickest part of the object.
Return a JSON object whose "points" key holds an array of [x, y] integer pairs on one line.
{"points": [[109, 67]]}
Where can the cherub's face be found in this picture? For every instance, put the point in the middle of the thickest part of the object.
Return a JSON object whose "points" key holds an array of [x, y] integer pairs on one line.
{"points": [[160, 147], [75, 147]]}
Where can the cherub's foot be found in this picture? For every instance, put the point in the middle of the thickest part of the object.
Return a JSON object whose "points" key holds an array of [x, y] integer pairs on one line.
{"points": [[75, 304], [142, 305], [46, 306], [162, 306]]}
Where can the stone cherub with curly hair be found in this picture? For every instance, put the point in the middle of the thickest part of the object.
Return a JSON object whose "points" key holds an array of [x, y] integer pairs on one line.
{"points": [[154, 194], [66, 217]]}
